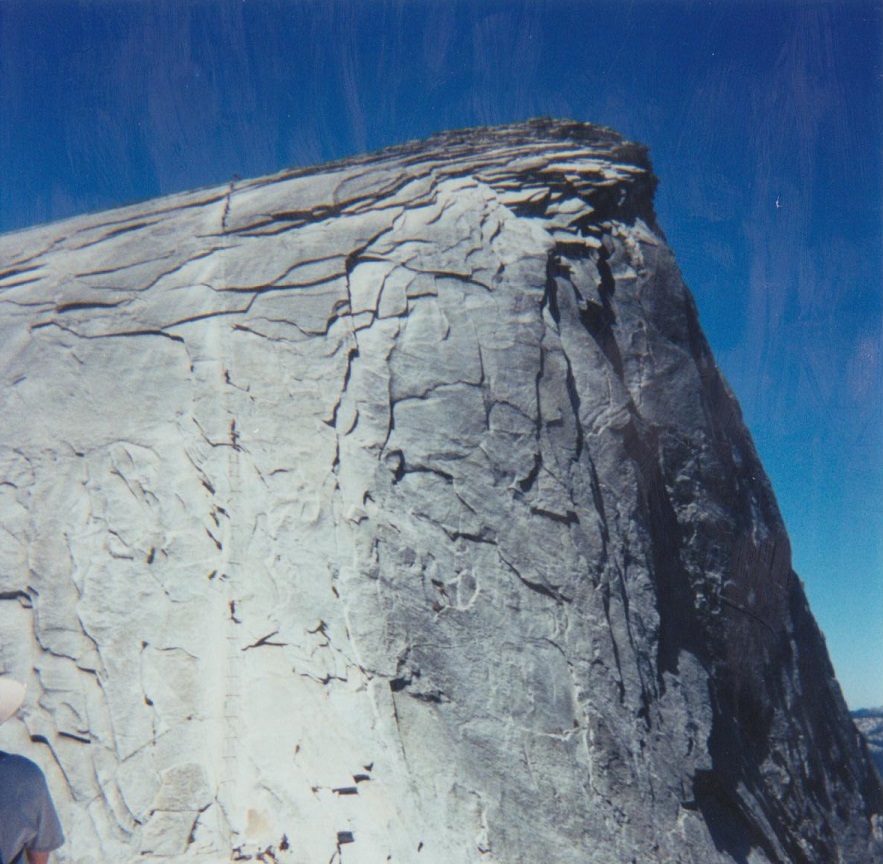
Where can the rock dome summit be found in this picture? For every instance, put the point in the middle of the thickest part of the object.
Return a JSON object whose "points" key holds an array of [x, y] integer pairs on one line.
{"points": [[395, 510]]}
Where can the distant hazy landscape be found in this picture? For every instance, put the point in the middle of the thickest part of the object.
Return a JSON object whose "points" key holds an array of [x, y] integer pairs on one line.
{"points": [[870, 724]]}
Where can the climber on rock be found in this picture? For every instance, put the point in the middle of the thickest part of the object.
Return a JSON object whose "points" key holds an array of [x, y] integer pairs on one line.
{"points": [[29, 826]]}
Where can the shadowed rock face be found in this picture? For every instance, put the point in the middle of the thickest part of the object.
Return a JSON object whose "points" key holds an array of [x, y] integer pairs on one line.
{"points": [[397, 506]]}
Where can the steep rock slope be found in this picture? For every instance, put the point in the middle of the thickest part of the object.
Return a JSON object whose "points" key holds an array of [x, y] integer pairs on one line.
{"points": [[396, 510]]}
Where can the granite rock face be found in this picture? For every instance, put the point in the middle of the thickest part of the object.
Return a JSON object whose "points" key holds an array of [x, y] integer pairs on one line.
{"points": [[395, 510]]}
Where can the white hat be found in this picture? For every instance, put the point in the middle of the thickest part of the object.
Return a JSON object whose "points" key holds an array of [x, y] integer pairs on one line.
{"points": [[12, 694]]}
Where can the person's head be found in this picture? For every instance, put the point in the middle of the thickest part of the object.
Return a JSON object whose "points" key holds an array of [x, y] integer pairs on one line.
{"points": [[12, 694]]}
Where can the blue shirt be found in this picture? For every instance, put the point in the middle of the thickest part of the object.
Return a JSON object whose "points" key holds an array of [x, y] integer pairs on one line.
{"points": [[28, 820]]}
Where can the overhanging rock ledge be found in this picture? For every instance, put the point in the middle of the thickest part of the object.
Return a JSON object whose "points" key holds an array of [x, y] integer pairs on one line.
{"points": [[395, 510]]}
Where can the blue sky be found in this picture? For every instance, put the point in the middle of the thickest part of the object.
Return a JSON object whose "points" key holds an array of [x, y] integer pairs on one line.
{"points": [[105, 102]]}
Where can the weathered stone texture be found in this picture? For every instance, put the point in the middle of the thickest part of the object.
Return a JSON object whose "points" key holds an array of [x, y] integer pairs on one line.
{"points": [[396, 511]]}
